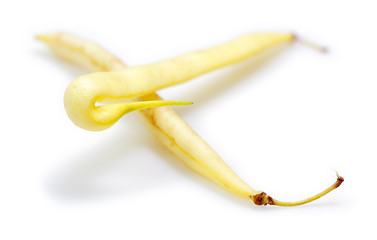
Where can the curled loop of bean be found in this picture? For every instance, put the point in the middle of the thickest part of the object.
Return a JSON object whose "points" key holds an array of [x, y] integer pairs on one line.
{"points": [[85, 92]]}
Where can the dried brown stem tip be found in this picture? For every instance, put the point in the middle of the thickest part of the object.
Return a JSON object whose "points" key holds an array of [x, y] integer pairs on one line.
{"points": [[263, 199]]}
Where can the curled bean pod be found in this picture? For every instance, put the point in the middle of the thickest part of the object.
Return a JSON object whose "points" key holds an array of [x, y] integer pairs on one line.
{"points": [[116, 86]]}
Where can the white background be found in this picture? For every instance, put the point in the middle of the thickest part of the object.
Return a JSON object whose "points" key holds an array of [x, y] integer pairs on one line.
{"points": [[283, 122]]}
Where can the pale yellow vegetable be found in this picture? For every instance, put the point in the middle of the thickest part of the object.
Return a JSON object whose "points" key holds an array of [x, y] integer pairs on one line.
{"points": [[163, 122], [108, 87]]}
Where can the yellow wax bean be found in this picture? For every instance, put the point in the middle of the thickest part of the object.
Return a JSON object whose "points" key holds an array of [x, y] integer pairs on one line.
{"points": [[171, 130]]}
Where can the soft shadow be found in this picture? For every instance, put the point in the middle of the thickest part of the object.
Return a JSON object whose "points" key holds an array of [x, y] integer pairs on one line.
{"points": [[325, 203], [105, 169], [322, 204]]}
